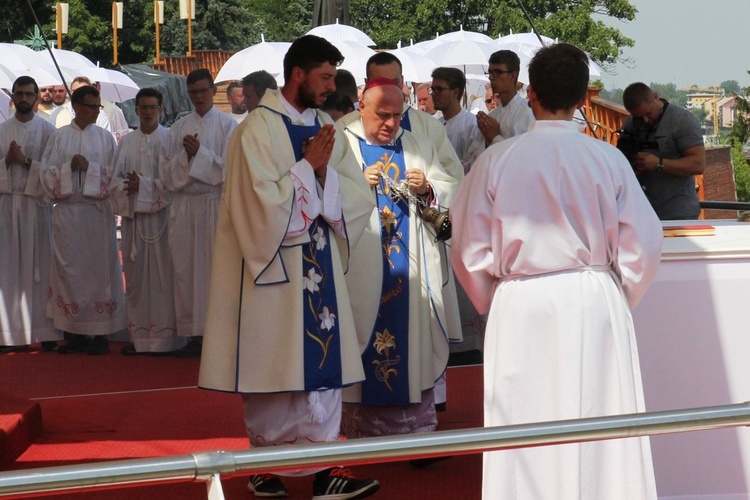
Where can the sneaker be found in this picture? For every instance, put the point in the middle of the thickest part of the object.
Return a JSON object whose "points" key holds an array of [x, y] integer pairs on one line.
{"points": [[191, 350], [267, 486], [99, 345], [77, 343], [340, 484]]}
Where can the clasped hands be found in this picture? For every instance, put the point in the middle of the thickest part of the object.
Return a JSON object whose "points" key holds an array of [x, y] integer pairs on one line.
{"points": [[15, 155], [132, 183], [79, 162]]}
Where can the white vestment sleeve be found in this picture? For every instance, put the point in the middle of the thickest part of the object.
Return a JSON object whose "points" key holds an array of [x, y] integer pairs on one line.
{"points": [[95, 185], [640, 238], [32, 182], [306, 206], [473, 258], [331, 210], [4, 177], [207, 166]]}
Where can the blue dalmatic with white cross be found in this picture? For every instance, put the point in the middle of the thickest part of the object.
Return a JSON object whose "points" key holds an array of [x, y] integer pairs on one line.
{"points": [[385, 359], [321, 337]]}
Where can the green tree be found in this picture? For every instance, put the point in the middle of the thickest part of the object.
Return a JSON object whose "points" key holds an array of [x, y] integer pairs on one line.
{"points": [[730, 87], [218, 24], [17, 19], [741, 173], [670, 92]]}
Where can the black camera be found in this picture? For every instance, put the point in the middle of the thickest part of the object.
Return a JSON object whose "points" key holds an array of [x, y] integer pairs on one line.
{"points": [[632, 143]]}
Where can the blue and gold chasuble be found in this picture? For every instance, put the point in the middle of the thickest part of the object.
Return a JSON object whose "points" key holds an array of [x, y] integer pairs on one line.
{"points": [[385, 358], [321, 338]]}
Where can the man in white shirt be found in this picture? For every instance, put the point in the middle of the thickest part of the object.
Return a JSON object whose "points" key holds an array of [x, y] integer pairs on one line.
{"points": [[513, 115], [86, 294], [139, 196], [25, 246], [554, 237], [192, 165], [447, 90]]}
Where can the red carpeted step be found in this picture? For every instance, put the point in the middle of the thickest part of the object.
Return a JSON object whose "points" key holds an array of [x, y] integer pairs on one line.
{"points": [[20, 426]]}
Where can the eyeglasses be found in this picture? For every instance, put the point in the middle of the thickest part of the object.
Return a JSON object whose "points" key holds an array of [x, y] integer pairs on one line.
{"points": [[194, 92], [149, 107], [437, 90], [24, 95], [92, 106], [44, 91], [494, 73]]}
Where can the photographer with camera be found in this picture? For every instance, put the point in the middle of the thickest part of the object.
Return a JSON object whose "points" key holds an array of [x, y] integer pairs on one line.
{"points": [[664, 144]]}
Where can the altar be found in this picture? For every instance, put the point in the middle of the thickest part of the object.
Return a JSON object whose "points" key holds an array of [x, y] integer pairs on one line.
{"points": [[693, 331]]}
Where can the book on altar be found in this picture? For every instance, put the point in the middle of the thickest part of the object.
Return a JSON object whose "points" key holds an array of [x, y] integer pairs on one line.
{"points": [[692, 230]]}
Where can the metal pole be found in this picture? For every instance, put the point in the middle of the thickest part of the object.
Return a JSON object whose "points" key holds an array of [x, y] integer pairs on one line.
{"points": [[201, 466]]}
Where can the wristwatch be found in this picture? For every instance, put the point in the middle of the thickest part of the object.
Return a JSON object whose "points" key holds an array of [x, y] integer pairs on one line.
{"points": [[660, 165], [27, 162]]}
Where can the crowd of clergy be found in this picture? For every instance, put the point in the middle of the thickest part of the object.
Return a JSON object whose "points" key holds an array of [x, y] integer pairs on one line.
{"points": [[298, 245]]}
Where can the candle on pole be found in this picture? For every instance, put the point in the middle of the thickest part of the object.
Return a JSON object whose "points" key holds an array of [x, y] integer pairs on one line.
{"points": [[116, 24], [61, 22], [158, 19], [187, 11]]}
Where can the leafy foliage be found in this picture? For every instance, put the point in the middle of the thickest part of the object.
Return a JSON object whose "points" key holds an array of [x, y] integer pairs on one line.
{"points": [[235, 24], [741, 173], [730, 87], [17, 19]]}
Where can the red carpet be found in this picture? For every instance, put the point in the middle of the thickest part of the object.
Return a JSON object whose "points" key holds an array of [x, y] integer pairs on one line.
{"points": [[20, 426], [116, 407]]}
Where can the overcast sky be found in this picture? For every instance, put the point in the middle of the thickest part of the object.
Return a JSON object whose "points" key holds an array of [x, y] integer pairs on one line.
{"points": [[686, 42]]}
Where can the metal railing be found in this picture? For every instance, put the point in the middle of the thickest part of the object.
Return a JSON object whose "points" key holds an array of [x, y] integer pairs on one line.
{"points": [[725, 205], [211, 466]]}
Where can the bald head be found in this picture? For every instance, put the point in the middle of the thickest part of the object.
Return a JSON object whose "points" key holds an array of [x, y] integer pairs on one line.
{"points": [[381, 110]]}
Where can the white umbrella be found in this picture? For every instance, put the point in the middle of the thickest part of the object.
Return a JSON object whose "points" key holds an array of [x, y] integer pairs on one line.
{"points": [[4, 106], [17, 57], [529, 39], [115, 85], [470, 57], [423, 47], [416, 67], [469, 36], [354, 55], [66, 58], [7, 77], [341, 33], [268, 56]]}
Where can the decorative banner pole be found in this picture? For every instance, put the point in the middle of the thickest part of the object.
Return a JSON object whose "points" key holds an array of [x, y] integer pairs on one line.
{"points": [[187, 11], [62, 22], [116, 24], [158, 19]]}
